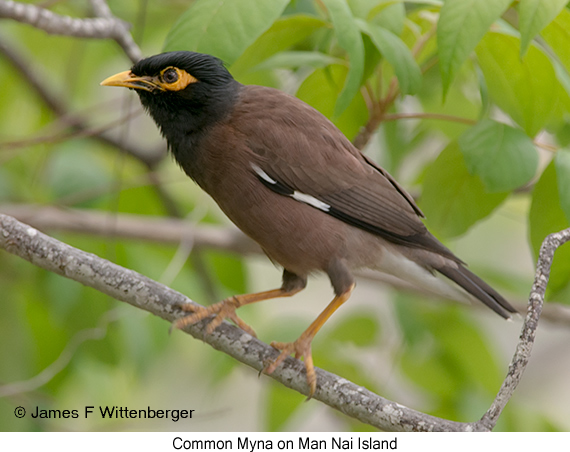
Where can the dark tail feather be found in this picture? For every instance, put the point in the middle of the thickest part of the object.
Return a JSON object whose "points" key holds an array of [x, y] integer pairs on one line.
{"points": [[479, 289]]}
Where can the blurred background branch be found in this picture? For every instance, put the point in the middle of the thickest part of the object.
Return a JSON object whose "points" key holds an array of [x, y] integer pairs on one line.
{"points": [[175, 231], [103, 26]]}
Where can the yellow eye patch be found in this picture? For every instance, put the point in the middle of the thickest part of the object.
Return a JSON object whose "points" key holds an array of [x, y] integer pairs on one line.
{"points": [[175, 79]]}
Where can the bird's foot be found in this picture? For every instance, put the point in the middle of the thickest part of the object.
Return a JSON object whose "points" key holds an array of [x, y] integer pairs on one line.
{"points": [[225, 309], [301, 347]]}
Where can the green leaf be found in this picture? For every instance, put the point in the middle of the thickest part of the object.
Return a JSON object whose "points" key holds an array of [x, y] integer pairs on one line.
{"points": [[359, 329], [445, 352], [380, 6], [445, 344], [230, 271], [297, 59], [74, 169], [223, 28], [452, 199], [392, 18], [527, 89], [562, 165], [361, 8], [462, 24], [503, 157], [557, 36], [283, 34], [321, 89], [281, 405], [545, 217], [534, 15], [63, 295], [464, 343], [397, 54], [7, 186], [459, 103], [349, 39]]}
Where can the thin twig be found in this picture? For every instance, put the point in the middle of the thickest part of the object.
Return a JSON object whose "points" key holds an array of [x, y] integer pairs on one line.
{"points": [[123, 37], [66, 135], [105, 26], [52, 23], [377, 113], [65, 357], [528, 333], [438, 116], [151, 158], [423, 40], [546, 146]]}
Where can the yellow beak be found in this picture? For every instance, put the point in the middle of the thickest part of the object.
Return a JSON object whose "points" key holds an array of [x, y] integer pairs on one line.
{"points": [[128, 80]]}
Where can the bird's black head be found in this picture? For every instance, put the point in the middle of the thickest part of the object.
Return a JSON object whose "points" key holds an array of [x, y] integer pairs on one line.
{"points": [[184, 92]]}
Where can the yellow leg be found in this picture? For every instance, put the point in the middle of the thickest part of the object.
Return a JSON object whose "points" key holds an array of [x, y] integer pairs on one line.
{"points": [[225, 309], [302, 346]]}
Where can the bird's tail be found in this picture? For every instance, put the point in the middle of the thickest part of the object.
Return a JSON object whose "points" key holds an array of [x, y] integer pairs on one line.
{"points": [[478, 288]]}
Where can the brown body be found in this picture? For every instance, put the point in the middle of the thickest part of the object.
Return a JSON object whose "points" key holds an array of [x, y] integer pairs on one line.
{"points": [[288, 178], [276, 131]]}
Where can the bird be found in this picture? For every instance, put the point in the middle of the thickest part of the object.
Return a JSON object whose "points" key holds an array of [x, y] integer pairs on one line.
{"points": [[286, 176]]}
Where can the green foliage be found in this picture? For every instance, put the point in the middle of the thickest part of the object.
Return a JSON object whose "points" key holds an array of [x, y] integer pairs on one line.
{"points": [[320, 90], [562, 164], [547, 216], [503, 157], [445, 353], [285, 33], [534, 16], [360, 330], [556, 34], [223, 28], [452, 198], [461, 26], [349, 39], [461, 100], [527, 89], [397, 54], [282, 403]]}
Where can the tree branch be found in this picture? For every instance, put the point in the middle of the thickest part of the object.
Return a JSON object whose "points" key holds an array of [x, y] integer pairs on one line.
{"points": [[105, 26], [175, 231], [150, 158], [144, 293], [123, 36], [137, 227], [52, 23]]}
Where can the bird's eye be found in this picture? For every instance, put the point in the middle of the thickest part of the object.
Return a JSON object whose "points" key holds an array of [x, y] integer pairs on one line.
{"points": [[170, 75], [175, 79]]}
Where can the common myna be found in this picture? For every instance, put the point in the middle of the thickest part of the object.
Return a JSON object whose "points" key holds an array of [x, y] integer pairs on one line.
{"points": [[289, 179]]}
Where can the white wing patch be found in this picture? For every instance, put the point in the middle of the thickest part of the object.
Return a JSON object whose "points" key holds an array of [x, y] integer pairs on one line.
{"points": [[296, 195], [262, 174], [312, 201]]}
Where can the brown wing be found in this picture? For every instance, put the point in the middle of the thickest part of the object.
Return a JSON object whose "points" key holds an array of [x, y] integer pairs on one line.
{"points": [[302, 152]]}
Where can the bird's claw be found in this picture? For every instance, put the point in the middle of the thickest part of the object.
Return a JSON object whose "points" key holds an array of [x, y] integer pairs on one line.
{"points": [[301, 348], [225, 309]]}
